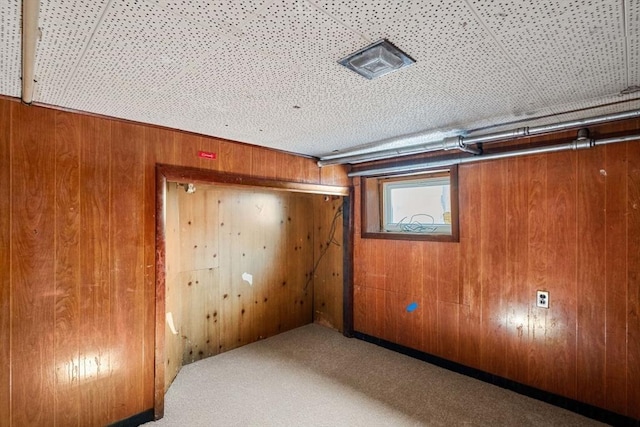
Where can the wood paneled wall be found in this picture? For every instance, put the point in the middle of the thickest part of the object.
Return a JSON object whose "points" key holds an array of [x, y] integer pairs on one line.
{"points": [[219, 233], [568, 223], [77, 257], [328, 258]]}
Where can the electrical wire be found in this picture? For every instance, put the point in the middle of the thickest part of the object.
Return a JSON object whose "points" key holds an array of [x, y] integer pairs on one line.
{"points": [[414, 226], [331, 241]]}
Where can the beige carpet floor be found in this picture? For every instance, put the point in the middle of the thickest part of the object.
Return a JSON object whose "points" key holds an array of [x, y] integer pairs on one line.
{"points": [[314, 376]]}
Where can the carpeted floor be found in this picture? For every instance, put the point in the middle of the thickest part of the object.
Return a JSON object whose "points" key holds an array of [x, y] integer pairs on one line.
{"points": [[314, 376]]}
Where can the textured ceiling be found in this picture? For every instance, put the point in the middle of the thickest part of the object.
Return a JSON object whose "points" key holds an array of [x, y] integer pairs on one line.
{"points": [[266, 72]]}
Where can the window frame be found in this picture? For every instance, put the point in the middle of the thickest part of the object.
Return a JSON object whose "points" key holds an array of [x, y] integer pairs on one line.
{"points": [[372, 206]]}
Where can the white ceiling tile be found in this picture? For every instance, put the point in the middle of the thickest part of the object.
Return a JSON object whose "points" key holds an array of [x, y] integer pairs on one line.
{"points": [[10, 46], [66, 29], [546, 30], [592, 72], [134, 53], [222, 15], [266, 71], [632, 14]]}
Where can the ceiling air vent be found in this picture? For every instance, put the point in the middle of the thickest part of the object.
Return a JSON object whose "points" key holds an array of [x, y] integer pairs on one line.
{"points": [[376, 60]]}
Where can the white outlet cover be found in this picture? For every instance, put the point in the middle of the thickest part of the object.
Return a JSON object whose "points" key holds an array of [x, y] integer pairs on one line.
{"points": [[542, 299]]}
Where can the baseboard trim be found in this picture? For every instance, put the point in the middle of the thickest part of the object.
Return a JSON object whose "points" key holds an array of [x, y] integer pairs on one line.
{"points": [[572, 405], [135, 420]]}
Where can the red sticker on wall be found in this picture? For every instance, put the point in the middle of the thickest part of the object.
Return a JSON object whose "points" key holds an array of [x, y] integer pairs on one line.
{"points": [[207, 155]]}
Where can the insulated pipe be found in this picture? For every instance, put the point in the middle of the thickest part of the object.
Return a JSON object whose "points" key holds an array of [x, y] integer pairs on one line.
{"points": [[498, 136], [366, 155], [30, 11], [555, 127], [393, 152], [577, 144]]}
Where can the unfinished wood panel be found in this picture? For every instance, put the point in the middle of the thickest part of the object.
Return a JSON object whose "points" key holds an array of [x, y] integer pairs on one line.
{"points": [[127, 279], [633, 279], [591, 277], [327, 280], [299, 260], [268, 284], [257, 280], [243, 275], [33, 372], [561, 275], [229, 332], [5, 258], [95, 271], [67, 272]]}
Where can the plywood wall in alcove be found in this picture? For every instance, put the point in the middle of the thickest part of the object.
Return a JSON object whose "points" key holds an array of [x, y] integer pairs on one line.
{"points": [[240, 267]]}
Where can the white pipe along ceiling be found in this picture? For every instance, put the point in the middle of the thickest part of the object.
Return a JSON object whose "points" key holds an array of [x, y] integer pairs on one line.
{"points": [[30, 11], [581, 142], [465, 144]]}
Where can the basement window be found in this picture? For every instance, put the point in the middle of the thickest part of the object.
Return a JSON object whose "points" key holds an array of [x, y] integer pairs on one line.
{"points": [[416, 207]]}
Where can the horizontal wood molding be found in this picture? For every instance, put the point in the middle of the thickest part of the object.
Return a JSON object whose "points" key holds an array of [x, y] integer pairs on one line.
{"points": [[186, 174]]}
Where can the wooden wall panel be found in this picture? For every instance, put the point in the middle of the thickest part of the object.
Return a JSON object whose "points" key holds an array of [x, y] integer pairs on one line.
{"points": [[95, 272], [565, 222], [5, 257], [67, 272], [591, 277], [77, 275], [633, 279], [127, 279], [561, 275], [517, 310], [615, 254], [33, 287], [157, 149], [493, 246], [537, 269], [470, 201], [430, 294]]}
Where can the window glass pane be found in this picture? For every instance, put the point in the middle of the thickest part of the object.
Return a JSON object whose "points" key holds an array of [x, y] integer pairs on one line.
{"points": [[420, 205], [412, 207]]}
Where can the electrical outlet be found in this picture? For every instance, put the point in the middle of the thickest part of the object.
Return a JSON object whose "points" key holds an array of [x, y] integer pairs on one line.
{"points": [[542, 299]]}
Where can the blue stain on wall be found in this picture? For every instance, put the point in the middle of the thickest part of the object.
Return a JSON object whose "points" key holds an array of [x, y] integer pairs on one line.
{"points": [[411, 307]]}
